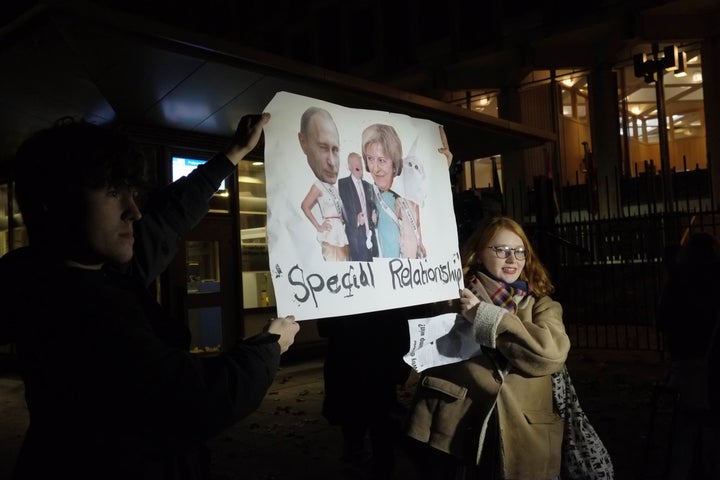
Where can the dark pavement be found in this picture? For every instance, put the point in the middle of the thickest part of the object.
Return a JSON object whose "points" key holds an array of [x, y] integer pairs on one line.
{"points": [[288, 439]]}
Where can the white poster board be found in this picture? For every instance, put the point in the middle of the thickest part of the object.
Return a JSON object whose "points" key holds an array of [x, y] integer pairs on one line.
{"points": [[311, 287]]}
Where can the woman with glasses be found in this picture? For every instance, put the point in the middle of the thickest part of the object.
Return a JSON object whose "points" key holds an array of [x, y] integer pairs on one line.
{"points": [[492, 416]]}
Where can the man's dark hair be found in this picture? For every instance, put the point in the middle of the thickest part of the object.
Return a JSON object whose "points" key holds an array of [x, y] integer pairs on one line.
{"points": [[53, 166]]}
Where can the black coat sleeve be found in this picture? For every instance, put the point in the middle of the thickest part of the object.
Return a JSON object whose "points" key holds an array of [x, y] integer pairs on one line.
{"points": [[171, 213]]}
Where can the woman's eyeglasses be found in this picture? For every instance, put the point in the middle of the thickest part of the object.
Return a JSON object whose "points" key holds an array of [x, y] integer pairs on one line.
{"points": [[504, 252]]}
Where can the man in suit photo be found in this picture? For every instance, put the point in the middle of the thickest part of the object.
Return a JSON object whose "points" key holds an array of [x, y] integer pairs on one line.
{"points": [[357, 198]]}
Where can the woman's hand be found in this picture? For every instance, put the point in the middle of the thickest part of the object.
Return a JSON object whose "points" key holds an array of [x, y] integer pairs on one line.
{"points": [[468, 304], [475, 286]]}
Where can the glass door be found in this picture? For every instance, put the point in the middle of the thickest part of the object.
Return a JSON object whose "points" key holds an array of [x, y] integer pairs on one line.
{"points": [[203, 287]]}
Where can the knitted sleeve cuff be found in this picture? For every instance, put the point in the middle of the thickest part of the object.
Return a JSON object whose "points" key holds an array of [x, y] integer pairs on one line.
{"points": [[486, 322]]}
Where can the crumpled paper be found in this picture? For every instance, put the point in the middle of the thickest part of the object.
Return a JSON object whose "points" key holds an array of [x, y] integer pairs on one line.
{"points": [[440, 340]]}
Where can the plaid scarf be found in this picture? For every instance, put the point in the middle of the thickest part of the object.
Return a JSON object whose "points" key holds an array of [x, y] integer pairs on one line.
{"points": [[503, 294]]}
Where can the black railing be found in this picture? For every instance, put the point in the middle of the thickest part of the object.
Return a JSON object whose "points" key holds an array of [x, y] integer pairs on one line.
{"points": [[609, 272]]}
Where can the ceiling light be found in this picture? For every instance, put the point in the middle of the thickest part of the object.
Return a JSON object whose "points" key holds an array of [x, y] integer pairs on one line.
{"points": [[681, 64], [672, 60], [246, 179]]}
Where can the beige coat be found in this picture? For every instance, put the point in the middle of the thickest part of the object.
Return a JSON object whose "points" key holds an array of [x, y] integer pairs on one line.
{"points": [[453, 402]]}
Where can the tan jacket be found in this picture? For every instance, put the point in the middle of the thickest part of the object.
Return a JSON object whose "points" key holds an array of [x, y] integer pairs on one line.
{"points": [[453, 403]]}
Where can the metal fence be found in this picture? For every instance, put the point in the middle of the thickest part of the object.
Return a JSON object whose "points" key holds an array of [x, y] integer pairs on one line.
{"points": [[609, 272]]}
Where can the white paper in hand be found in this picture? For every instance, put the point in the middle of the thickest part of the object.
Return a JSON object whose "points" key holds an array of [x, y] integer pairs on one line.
{"points": [[440, 340]]}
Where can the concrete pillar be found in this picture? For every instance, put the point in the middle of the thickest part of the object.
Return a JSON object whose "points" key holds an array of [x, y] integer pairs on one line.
{"points": [[711, 93], [513, 166], [605, 137]]}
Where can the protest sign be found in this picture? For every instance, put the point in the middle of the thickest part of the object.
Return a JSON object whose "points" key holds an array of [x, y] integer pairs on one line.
{"points": [[329, 255]]}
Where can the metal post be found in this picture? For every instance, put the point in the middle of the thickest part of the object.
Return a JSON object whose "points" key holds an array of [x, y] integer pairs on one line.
{"points": [[662, 132]]}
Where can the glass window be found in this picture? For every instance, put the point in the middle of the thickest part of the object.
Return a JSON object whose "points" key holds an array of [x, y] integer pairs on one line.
{"points": [[182, 166], [203, 268], [574, 92], [206, 329], [257, 282], [684, 111], [479, 174], [4, 220], [481, 101], [182, 163], [12, 229]]}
